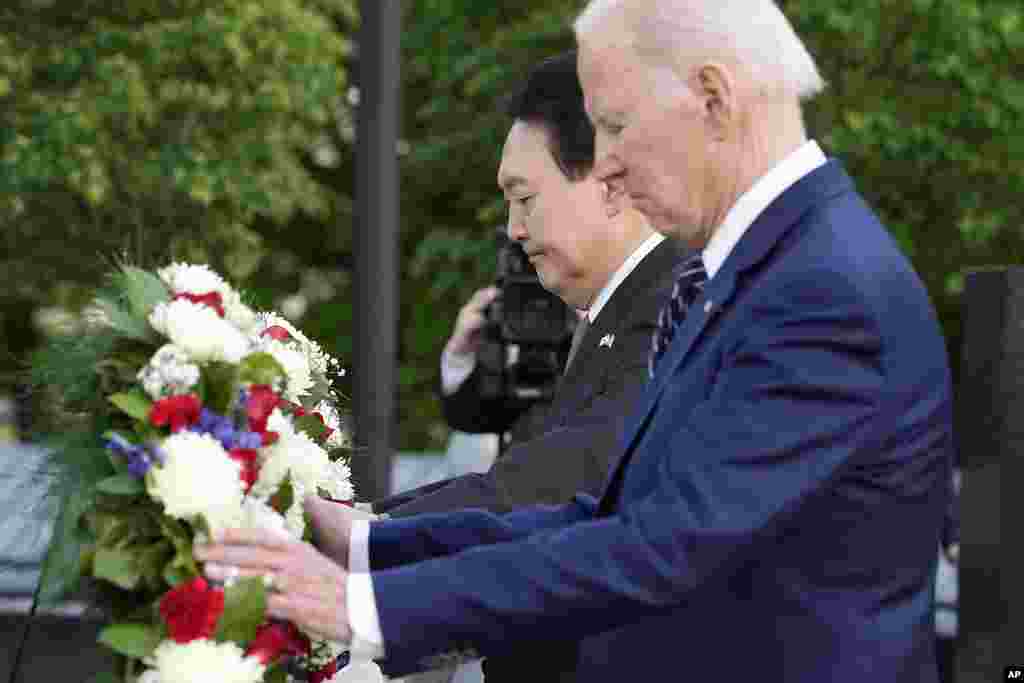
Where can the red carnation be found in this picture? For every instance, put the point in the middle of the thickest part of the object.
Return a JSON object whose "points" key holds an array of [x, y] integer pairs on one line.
{"points": [[325, 673], [274, 640], [250, 468], [276, 332], [211, 299], [177, 411], [191, 610], [260, 404]]}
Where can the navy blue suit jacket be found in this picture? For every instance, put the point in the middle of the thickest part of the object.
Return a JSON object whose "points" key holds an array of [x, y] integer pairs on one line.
{"points": [[778, 499]]}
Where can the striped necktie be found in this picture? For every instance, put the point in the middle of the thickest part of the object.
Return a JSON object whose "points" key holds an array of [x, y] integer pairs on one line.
{"points": [[688, 285]]}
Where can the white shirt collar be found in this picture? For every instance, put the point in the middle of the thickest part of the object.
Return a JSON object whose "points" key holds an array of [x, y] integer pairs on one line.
{"points": [[621, 274], [755, 200]]}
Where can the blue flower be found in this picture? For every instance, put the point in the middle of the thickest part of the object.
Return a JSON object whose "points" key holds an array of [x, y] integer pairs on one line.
{"points": [[139, 458]]}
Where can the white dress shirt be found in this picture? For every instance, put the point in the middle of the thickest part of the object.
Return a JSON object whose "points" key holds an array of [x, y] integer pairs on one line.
{"points": [[362, 605], [457, 367]]}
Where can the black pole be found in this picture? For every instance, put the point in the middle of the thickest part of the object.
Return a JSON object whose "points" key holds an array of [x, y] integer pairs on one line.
{"points": [[376, 246]]}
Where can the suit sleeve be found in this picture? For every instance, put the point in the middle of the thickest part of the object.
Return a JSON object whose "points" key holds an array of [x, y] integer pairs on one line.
{"points": [[466, 410], [389, 503], [396, 542], [731, 471], [572, 457]]}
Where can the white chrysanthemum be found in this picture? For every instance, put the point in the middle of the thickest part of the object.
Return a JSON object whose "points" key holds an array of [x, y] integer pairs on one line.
{"points": [[274, 463], [193, 279], [319, 361], [202, 661], [294, 517], [259, 516], [310, 464], [198, 478], [295, 364], [359, 671], [170, 371], [341, 437], [150, 676], [338, 482], [297, 455], [197, 329]]}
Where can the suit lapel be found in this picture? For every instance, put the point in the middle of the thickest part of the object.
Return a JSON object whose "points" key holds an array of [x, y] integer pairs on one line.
{"points": [[756, 244], [590, 358]]}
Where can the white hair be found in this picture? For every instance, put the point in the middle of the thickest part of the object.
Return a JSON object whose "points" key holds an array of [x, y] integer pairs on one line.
{"points": [[753, 33]]}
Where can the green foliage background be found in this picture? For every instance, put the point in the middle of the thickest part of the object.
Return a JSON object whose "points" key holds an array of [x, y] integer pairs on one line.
{"points": [[222, 130]]}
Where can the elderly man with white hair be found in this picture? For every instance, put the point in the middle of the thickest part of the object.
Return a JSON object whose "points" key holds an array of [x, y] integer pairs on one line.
{"points": [[779, 497]]}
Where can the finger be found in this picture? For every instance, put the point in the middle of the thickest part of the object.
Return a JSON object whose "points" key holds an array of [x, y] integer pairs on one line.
{"points": [[243, 557], [255, 537], [321, 619], [227, 573], [486, 295], [317, 506]]}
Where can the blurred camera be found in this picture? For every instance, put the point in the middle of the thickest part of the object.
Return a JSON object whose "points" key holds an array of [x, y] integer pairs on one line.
{"points": [[527, 333]]}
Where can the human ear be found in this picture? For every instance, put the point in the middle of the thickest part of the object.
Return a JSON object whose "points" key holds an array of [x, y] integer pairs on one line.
{"points": [[716, 87]]}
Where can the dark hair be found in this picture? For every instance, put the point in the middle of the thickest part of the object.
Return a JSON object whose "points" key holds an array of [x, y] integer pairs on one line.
{"points": [[552, 98]]}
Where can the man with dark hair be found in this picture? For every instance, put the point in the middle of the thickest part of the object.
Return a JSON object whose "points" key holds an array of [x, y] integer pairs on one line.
{"points": [[599, 256]]}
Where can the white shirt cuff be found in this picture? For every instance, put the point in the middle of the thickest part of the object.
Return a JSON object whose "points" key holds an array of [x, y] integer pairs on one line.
{"points": [[359, 547], [367, 638], [455, 369]]}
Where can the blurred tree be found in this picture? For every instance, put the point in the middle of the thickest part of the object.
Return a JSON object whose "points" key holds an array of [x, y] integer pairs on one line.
{"points": [[156, 129], [925, 106]]}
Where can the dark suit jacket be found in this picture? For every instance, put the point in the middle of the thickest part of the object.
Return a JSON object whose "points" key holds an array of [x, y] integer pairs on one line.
{"points": [[574, 441], [778, 497]]}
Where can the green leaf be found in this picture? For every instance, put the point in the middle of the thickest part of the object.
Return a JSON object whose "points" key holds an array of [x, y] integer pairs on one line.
{"points": [[307, 527], [153, 561], [141, 290], [260, 368], [245, 604], [120, 567], [123, 521], [132, 640], [122, 485], [134, 404], [285, 496], [220, 385], [312, 425], [63, 565], [105, 677], [277, 674], [183, 565]]}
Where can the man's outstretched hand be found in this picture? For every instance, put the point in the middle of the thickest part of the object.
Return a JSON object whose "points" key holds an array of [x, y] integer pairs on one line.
{"points": [[305, 587], [332, 526]]}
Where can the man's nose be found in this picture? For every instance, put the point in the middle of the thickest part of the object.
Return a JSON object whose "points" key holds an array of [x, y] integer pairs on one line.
{"points": [[516, 228], [607, 167]]}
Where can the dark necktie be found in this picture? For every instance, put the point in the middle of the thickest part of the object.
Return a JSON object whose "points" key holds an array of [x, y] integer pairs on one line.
{"points": [[688, 285], [582, 325]]}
